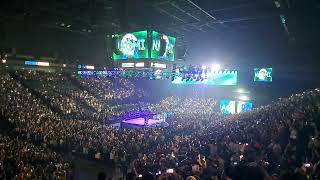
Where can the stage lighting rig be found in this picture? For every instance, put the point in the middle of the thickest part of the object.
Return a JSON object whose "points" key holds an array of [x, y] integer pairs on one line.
{"points": [[240, 91], [215, 67], [244, 98]]}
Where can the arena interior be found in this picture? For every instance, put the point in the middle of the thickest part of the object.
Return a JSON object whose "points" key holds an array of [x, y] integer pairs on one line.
{"points": [[159, 90]]}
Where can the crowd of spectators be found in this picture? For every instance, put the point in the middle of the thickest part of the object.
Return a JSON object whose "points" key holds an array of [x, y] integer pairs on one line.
{"points": [[108, 89], [73, 100], [187, 107], [20, 159], [58, 90], [276, 141], [23, 160]]}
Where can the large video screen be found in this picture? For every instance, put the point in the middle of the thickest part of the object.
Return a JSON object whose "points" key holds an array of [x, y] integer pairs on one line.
{"points": [[244, 106], [210, 78], [130, 46], [227, 107], [263, 74], [163, 47]]}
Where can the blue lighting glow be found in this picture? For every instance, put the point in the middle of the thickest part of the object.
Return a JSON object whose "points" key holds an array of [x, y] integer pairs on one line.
{"points": [[31, 63]]}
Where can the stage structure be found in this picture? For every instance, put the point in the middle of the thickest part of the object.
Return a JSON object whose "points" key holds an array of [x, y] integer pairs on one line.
{"points": [[193, 75], [222, 77], [142, 119]]}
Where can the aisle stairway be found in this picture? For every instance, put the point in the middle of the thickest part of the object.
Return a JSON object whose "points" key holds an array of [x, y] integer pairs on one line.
{"points": [[44, 100]]}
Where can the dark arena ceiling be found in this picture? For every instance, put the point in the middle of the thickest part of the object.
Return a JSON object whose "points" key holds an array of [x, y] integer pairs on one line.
{"points": [[178, 17], [217, 21]]}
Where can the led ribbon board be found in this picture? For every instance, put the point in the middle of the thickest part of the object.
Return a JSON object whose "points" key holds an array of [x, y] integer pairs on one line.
{"points": [[130, 46], [36, 63], [85, 67], [158, 65], [127, 65], [263, 74], [211, 78], [163, 47]]}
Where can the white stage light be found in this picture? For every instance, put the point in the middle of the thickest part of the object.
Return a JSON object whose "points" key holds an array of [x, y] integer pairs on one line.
{"points": [[244, 98], [240, 91], [90, 67], [215, 67], [43, 63]]}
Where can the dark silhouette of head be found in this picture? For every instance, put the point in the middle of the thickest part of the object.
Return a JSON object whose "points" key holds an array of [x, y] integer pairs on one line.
{"points": [[101, 176]]}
